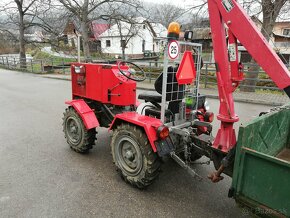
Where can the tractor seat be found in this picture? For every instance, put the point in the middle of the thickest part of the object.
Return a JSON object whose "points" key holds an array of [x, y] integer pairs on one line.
{"points": [[155, 97], [150, 97]]}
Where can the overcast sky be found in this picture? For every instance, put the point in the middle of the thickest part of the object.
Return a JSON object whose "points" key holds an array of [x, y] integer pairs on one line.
{"points": [[181, 3], [188, 3]]}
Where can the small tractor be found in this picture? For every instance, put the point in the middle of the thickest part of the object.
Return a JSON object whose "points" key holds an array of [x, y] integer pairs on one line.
{"points": [[105, 95], [175, 121]]}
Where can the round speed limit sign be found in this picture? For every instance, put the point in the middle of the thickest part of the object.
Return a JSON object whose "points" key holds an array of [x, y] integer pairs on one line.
{"points": [[173, 49]]}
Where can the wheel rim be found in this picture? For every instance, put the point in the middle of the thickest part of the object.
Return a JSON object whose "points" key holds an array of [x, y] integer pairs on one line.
{"points": [[129, 155], [73, 130]]}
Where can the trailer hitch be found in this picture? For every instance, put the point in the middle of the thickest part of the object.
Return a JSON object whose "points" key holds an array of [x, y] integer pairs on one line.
{"points": [[226, 162], [185, 166], [216, 176]]}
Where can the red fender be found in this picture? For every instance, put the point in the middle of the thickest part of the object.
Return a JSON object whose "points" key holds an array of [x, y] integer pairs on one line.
{"points": [[86, 113], [149, 124]]}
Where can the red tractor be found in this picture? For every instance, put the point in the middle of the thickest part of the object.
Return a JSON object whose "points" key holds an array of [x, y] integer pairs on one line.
{"points": [[164, 124], [175, 120]]}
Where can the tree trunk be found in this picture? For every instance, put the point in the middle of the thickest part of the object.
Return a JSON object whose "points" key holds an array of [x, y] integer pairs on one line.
{"points": [[22, 53], [251, 77], [123, 53], [85, 30], [271, 11], [267, 28], [85, 37]]}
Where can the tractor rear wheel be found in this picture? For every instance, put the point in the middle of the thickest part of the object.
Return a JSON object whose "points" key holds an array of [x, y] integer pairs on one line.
{"points": [[77, 136], [133, 156]]}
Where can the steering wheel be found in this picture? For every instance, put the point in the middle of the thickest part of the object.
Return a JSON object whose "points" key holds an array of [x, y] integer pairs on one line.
{"points": [[137, 75]]}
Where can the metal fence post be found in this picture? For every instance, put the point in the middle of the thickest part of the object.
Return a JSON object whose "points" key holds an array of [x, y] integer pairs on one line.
{"points": [[41, 66], [7, 61], [63, 69], [206, 73], [3, 60], [150, 69], [31, 65]]}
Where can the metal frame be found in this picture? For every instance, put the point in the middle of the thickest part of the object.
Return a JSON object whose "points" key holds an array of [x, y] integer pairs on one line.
{"points": [[167, 61], [229, 75]]}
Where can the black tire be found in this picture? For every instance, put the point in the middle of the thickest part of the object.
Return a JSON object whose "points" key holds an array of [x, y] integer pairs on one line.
{"points": [[133, 156], [77, 136]]}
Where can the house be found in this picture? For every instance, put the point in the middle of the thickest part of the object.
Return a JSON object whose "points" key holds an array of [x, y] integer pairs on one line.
{"points": [[202, 35], [137, 38], [281, 34], [280, 39], [72, 29]]}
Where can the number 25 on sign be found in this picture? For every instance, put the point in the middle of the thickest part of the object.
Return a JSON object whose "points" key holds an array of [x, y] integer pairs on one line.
{"points": [[173, 49]]}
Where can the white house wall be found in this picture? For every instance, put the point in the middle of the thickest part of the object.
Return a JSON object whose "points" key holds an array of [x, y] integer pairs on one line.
{"points": [[134, 47]]}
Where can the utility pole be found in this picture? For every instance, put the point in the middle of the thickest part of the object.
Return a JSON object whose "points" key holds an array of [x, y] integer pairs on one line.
{"points": [[78, 45], [79, 48]]}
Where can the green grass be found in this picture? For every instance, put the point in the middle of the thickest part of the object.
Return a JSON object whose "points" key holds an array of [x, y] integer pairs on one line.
{"points": [[269, 91], [42, 59], [39, 55]]}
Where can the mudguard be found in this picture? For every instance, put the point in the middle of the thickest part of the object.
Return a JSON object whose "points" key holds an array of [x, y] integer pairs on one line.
{"points": [[149, 124], [86, 113]]}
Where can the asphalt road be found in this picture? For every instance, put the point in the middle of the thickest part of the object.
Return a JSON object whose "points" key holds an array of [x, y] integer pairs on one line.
{"points": [[40, 176]]}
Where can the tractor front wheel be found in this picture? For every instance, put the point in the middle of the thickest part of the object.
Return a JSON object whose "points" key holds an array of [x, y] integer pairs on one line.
{"points": [[133, 156], [78, 137]]}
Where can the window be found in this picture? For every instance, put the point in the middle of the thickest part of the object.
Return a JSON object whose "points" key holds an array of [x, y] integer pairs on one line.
{"points": [[143, 45], [286, 32], [123, 43], [108, 43]]}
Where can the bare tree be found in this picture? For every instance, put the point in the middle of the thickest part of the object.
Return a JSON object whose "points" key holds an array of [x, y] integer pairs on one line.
{"points": [[271, 11], [22, 16], [52, 22], [127, 29], [17, 12], [8, 43], [165, 13], [87, 10], [126, 21]]}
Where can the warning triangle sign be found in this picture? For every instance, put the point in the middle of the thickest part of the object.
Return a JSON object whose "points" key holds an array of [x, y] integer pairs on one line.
{"points": [[186, 71]]}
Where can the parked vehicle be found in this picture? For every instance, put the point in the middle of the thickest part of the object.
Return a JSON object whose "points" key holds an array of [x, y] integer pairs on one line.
{"points": [[175, 120]]}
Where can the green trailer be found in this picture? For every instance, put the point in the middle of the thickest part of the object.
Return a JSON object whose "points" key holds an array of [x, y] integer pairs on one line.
{"points": [[261, 179]]}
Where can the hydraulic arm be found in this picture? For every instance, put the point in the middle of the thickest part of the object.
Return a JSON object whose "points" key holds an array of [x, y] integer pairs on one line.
{"points": [[228, 13]]}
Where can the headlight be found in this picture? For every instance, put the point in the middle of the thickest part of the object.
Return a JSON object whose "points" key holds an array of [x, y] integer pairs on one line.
{"points": [[206, 106], [79, 69]]}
